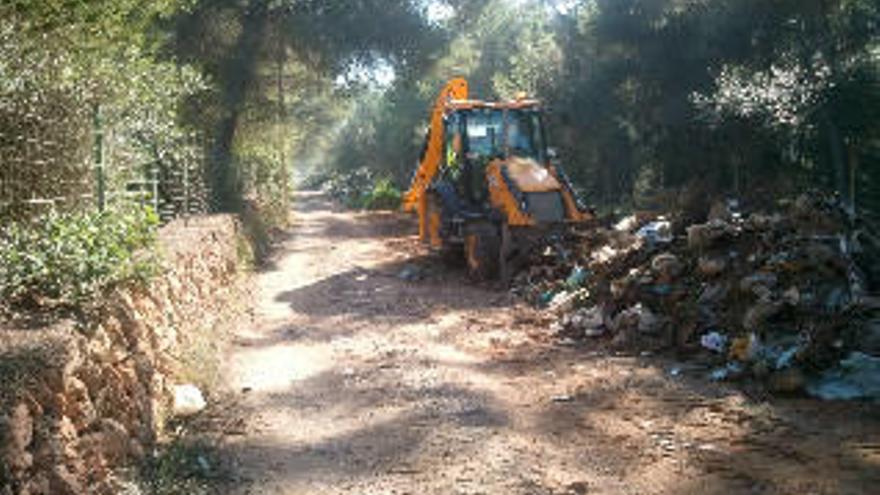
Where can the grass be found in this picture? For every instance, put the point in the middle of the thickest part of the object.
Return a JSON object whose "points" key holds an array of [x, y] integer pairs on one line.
{"points": [[183, 467]]}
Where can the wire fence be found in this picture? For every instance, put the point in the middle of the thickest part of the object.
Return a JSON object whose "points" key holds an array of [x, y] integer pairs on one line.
{"points": [[87, 170]]}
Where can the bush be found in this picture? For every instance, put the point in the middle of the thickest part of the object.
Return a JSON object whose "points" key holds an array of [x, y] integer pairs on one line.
{"points": [[66, 259], [183, 467], [351, 188], [315, 180], [359, 188], [384, 196]]}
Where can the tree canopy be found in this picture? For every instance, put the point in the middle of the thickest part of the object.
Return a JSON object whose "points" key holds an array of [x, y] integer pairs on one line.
{"points": [[737, 97]]}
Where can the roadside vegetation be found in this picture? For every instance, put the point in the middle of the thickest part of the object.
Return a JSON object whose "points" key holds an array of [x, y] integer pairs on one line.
{"points": [[67, 259], [184, 466]]}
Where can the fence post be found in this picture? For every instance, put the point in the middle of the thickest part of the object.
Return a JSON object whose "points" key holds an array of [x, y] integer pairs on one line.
{"points": [[156, 187], [98, 132], [186, 189]]}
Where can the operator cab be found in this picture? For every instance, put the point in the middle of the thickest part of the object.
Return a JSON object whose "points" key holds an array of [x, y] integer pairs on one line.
{"points": [[477, 135]]}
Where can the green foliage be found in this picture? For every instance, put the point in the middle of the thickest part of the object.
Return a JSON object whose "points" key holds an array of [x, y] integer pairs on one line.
{"points": [[351, 188], [274, 66], [68, 74], [643, 96], [384, 196], [743, 96], [184, 467], [360, 188], [69, 258]]}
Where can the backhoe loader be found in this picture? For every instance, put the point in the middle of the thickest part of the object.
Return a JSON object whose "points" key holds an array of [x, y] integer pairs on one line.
{"points": [[487, 187]]}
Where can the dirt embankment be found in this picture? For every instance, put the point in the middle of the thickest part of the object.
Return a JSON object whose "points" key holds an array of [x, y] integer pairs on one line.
{"points": [[372, 368], [81, 398]]}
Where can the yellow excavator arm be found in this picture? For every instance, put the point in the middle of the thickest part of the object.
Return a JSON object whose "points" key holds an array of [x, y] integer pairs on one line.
{"points": [[414, 199]]}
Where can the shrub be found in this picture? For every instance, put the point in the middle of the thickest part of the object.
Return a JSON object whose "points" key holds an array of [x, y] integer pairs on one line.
{"points": [[65, 259], [384, 196], [351, 188], [359, 188], [189, 466]]}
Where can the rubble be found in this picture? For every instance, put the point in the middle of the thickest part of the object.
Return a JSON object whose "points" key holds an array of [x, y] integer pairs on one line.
{"points": [[777, 297], [715, 342], [787, 381], [638, 318], [711, 267], [703, 236], [757, 316], [856, 377], [667, 266], [588, 321], [658, 232], [411, 273], [563, 303]]}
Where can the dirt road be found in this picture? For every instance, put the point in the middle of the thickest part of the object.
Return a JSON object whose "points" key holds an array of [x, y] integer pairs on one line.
{"points": [[354, 380]]}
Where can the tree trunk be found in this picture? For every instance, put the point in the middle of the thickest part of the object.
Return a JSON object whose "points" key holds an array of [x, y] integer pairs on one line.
{"points": [[836, 148], [237, 74]]}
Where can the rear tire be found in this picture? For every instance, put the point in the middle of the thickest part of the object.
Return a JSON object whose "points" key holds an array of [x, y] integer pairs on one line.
{"points": [[434, 220], [451, 254], [482, 249]]}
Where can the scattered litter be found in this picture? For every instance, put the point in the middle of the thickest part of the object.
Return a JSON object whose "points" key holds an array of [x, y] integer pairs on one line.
{"points": [[757, 282], [787, 381], [715, 342], [564, 302], [667, 265], [577, 278], [792, 296], [188, 400], [745, 348], [856, 377], [638, 317], [681, 369], [786, 357], [546, 298], [587, 320], [659, 232], [410, 273], [204, 465], [772, 296], [711, 267], [627, 224], [594, 332], [732, 371]]}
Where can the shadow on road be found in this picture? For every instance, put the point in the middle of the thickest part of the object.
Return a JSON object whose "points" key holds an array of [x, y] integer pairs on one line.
{"points": [[427, 383]]}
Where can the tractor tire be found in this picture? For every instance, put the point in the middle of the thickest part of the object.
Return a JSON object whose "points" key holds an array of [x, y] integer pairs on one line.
{"points": [[434, 216], [482, 249], [450, 253]]}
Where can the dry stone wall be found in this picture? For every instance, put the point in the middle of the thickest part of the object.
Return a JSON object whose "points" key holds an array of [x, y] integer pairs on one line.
{"points": [[81, 398]]}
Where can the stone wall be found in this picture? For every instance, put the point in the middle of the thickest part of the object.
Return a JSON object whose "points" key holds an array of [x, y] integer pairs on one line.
{"points": [[80, 398]]}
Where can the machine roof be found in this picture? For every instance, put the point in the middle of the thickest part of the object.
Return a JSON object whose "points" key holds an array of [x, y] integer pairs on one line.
{"points": [[499, 105]]}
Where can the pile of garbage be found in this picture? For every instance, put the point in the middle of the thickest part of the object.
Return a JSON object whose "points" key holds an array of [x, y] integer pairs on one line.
{"points": [[780, 298]]}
